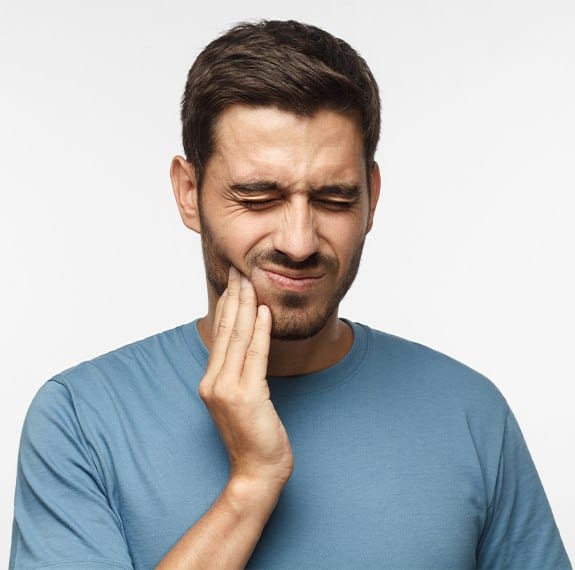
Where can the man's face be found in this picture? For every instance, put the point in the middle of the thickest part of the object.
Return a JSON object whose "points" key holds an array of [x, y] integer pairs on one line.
{"points": [[285, 200]]}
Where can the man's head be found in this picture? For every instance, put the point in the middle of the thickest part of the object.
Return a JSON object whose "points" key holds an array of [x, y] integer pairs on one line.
{"points": [[280, 126], [285, 64]]}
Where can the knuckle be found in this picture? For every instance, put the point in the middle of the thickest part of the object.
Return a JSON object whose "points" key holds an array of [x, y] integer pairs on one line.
{"points": [[239, 399], [204, 391], [233, 290], [247, 297], [229, 397], [223, 395], [222, 326], [219, 393], [252, 353], [235, 335]]}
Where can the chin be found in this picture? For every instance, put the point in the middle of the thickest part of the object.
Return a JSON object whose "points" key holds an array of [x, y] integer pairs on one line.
{"points": [[298, 323]]}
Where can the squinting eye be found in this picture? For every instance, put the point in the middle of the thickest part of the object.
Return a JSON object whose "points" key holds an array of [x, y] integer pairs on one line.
{"points": [[335, 204], [257, 204]]}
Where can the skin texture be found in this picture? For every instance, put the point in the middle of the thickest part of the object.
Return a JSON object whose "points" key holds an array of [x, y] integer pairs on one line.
{"points": [[274, 202], [283, 215], [236, 393]]}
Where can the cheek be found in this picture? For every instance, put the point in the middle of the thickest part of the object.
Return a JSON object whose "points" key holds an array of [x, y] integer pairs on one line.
{"points": [[242, 235], [345, 237]]}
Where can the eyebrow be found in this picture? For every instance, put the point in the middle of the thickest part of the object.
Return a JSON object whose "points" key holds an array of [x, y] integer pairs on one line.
{"points": [[347, 191], [255, 186]]}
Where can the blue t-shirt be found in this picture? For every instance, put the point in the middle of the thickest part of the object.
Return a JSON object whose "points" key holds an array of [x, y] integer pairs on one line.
{"points": [[404, 459]]}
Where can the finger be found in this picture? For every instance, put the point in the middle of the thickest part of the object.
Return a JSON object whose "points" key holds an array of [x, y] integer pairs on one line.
{"points": [[218, 315], [257, 354], [242, 332], [226, 323]]}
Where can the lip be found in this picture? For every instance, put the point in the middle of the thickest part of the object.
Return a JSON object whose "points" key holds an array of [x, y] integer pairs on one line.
{"points": [[293, 280]]}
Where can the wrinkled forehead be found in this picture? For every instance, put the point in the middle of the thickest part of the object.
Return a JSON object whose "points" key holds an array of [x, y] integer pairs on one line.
{"points": [[255, 142]]}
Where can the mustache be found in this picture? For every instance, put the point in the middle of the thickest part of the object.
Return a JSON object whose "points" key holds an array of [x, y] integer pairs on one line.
{"points": [[278, 258]]}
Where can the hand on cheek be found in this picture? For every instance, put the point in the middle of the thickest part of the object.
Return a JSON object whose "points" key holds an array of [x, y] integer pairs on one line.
{"points": [[235, 390]]}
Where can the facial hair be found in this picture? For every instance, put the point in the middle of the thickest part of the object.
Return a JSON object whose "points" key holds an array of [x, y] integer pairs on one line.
{"points": [[296, 318]]}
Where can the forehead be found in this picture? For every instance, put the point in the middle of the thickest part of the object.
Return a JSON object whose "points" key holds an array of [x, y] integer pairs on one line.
{"points": [[266, 142]]}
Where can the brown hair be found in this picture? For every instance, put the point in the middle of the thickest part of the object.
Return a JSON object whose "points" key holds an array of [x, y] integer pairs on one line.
{"points": [[293, 66]]}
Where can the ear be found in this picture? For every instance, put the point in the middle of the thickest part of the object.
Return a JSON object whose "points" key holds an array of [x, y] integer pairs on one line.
{"points": [[183, 176], [375, 180]]}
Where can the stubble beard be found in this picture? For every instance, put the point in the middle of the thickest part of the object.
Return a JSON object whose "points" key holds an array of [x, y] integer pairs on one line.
{"points": [[295, 318]]}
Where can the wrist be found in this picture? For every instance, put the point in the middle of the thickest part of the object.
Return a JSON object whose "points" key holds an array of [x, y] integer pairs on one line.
{"points": [[250, 496]]}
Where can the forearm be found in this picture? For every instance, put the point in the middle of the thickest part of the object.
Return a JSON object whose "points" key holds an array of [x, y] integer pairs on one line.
{"points": [[229, 531]]}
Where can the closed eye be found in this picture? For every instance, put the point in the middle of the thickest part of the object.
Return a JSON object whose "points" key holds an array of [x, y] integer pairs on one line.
{"points": [[335, 204], [259, 204], [264, 204], [270, 203]]}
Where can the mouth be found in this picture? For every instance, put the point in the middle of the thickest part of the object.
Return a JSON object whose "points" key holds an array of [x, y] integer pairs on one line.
{"points": [[293, 280]]}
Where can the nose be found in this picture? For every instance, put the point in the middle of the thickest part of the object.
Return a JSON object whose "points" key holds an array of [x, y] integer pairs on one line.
{"points": [[296, 234]]}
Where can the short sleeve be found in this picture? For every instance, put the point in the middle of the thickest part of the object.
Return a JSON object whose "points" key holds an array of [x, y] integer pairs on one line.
{"points": [[62, 516], [520, 531]]}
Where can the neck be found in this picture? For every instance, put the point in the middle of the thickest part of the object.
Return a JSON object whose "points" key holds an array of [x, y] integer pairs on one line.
{"points": [[297, 357], [324, 349]]}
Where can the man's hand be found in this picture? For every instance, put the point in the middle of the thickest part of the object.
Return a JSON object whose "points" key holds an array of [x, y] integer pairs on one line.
{"points": [[236, 392]]}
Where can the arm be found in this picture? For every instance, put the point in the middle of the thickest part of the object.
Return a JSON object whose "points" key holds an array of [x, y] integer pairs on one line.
{"points": [[227, 534], [63, 515], [236, 393], [66, 513], [520, 531]]}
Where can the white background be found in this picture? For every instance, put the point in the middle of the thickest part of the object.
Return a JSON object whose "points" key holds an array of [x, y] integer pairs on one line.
{"points": [[472, 252]]}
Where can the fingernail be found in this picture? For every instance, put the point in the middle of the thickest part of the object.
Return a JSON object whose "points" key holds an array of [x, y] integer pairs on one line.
{"points": [[233, 272], [244, 282], [262, 311]]}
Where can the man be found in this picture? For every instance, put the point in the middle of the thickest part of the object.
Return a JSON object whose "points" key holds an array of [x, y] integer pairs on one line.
{"points": [[270, 433]]}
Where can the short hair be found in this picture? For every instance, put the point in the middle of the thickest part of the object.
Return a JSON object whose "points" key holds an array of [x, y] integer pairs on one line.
{"points": [[287, 64]]}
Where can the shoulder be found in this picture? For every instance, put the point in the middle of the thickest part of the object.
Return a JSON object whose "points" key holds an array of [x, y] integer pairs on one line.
{"points": [[141, 380], [148, 359], [139, 372], [431, 374]]}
